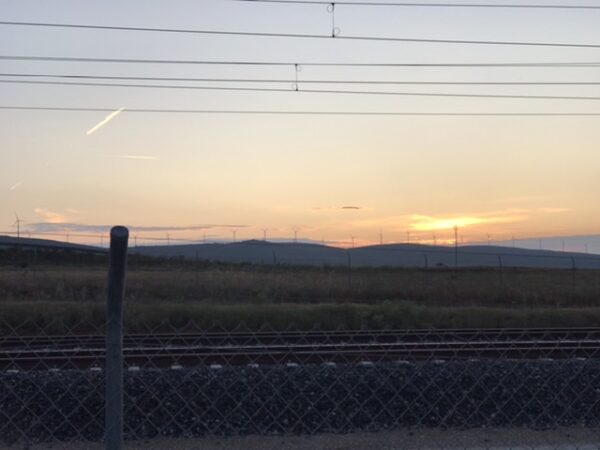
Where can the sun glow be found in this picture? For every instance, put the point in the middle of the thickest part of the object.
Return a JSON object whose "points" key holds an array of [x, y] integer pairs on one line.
{"points": [[425, 223]]}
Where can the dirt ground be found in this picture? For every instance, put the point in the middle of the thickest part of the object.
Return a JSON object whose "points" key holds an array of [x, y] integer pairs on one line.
{"points": [[490, 439]]}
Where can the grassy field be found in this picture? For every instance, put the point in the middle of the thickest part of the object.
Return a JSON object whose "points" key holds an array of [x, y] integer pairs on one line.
{"points": [[70, 294]]}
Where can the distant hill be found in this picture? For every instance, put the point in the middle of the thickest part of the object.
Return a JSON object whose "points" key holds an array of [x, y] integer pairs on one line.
{"points": [[11, 241], [392, 255], [309, 254]]}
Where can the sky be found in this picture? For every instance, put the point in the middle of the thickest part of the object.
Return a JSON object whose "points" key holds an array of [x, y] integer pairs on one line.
{"points": [[330, 178]]}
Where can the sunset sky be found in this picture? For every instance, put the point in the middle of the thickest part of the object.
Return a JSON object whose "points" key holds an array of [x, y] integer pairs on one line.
{"points": [[330, 177]]}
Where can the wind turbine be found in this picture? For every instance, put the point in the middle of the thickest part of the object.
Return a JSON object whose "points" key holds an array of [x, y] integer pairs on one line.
{"points": [[264, 230], [295, 229], [18, 225]]}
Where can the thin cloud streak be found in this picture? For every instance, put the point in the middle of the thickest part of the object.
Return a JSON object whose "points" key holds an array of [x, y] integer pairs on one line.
{"points": [[338, 208], [50, 227], [51, 217], [103, 122], [15, 186], [555, 210], [138, 157]]}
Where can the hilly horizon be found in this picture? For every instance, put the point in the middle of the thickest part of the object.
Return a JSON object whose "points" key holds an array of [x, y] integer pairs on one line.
{"points": [[390, 255]]}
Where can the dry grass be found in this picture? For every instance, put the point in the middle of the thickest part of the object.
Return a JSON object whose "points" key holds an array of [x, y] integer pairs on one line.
{"points": [[61, 298], [69, 317], [263, 285]]}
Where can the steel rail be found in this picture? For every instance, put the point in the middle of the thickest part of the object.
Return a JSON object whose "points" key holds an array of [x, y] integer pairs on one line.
{"points": [[269, 337], [302, 353]]}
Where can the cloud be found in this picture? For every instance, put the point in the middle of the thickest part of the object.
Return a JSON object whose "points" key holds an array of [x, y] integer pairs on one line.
{"points": [[139, 157], [338, 208], [554, 210], [50, 217], [103, 122], [50, 227], [15, 186]]}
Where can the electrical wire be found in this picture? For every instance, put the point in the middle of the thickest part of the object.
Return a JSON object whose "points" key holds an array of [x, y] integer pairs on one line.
{"points": [[297, 35], [303, 81], [291, 64], [435, 5], [308, 91], [301, 113]]}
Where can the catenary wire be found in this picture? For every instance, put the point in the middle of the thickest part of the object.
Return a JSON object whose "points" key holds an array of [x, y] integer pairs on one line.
{"points": [[303, 81], [300, 112], [430, 5], [291, 63], [297, 35], [308, 91]]}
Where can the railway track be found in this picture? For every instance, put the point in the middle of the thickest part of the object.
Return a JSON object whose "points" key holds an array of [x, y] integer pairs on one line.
{"points": [[311, 347]]}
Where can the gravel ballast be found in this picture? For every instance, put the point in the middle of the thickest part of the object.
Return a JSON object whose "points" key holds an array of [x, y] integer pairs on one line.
{"points": [[305, 400]]}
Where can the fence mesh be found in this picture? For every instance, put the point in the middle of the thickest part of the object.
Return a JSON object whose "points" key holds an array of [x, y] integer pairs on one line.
{"points": [[410, 389]]}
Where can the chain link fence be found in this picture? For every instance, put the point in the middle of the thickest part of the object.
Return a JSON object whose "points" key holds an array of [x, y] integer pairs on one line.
{"points": [[196, 383]]}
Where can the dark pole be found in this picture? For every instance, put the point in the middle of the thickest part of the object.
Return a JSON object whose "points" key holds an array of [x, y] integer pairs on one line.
{"points": [[349, 261], [573, 272], [114, 338], [455, 246]]}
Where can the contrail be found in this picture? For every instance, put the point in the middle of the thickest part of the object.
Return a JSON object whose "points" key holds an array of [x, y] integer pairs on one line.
{"points": [[107, 119], [15, 186]]}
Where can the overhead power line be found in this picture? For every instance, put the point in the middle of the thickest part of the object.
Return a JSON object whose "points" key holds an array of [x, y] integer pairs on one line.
{"points": [[303, 81], [297, 35], [308, 91], [425, 5], [291, 63], [302, 113]]}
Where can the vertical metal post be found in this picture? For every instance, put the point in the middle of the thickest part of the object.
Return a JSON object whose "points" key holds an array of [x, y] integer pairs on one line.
{"points": [[196, 265], [455, 247], [114, 338], [349, 261], [573, 275], [501, 270]]}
